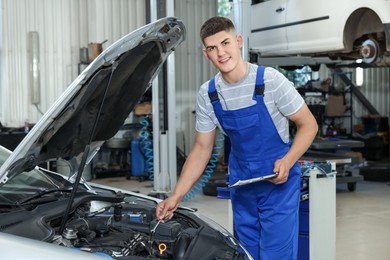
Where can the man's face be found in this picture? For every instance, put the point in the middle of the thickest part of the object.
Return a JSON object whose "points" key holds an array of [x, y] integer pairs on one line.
{"points": [[223, 49]]}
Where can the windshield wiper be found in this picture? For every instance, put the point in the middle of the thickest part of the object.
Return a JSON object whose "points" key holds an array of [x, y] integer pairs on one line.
{"points": [[40, 194]]}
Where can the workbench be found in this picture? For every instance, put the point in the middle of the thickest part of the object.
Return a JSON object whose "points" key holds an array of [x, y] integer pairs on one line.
{"points": [[324, 149], [335, 143]]}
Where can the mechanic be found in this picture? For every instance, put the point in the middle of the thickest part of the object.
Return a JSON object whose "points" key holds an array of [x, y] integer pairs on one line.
{"points": [[252, 105]]}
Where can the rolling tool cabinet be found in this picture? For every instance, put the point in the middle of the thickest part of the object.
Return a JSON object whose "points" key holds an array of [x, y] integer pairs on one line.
{"points": [[317, 213]]}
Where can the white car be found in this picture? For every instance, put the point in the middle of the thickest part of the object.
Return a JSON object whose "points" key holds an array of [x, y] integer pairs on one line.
{"points": [[325, 31], [46, 216]]}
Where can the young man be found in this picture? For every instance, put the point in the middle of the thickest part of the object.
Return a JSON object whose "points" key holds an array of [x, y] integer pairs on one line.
{"points": [[252, 105]]}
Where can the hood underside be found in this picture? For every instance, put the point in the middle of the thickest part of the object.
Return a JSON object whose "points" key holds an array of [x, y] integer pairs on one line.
{"points": [[94, 107], [108, 97]]}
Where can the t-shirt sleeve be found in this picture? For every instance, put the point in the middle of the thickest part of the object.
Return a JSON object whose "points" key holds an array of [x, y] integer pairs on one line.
{"points": [[204, 122], [287, 99]]}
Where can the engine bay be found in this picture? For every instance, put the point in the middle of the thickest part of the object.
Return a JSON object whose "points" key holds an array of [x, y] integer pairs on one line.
{"points": [[121, 230], [121, 227]]}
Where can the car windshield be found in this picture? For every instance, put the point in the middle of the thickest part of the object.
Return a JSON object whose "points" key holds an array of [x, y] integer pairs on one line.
{"points": [[26, 184]]}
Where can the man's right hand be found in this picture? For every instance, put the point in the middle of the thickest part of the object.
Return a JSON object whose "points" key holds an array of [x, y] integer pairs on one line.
{"points": [[165, 209], [192, 170]]}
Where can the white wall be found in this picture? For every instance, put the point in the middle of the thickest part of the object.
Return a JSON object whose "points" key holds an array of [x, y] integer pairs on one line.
{"points": [[63, 27], [192, 69], [66, 26], [376, 88]]}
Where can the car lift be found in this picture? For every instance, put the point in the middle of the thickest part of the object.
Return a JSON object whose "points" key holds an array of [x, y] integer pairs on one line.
{"points": [[164, 120]]}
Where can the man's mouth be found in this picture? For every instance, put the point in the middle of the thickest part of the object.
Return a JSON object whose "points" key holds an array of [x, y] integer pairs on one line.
{"points": [[224, 60]]}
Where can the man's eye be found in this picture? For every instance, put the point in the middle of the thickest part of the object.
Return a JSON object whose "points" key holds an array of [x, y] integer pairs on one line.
{"points": [[225, 43], [210, 49]]}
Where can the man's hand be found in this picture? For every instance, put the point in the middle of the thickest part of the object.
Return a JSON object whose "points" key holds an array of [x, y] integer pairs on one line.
{"points": [[282, 170], [192, 170], [307, 130], [165, 209]]}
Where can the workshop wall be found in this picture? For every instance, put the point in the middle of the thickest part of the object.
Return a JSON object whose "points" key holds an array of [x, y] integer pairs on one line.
{"points": [[63, 28], [376, 88], [192, 69]]}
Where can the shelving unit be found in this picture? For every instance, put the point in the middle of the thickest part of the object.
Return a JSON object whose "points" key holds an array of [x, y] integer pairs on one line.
{"points": [[347, 95]]}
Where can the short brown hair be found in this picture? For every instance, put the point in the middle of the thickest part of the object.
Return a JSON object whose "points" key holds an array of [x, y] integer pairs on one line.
{"points": [[215, 25]]}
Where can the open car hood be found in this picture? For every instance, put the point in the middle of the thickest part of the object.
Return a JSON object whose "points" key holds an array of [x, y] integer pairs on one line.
{"points": [[94, 107]]}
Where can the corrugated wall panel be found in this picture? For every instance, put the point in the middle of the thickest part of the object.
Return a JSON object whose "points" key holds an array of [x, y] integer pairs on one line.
{"points": [[63, 27], [376, 88], [192, 69]]}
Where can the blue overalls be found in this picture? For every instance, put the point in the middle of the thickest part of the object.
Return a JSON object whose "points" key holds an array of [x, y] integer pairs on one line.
{"points": [[265, 215]]}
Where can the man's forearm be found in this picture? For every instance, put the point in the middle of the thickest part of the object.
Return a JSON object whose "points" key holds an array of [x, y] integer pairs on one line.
{"points": [[301, 143], [307, 129], [192, 170]]}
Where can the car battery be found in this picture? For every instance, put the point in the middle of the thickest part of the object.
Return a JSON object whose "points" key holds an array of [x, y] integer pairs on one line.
{"points": [[139, 210]]}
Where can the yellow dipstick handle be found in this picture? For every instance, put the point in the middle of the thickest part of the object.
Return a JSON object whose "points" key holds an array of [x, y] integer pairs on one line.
{"points": [[162, 247]]}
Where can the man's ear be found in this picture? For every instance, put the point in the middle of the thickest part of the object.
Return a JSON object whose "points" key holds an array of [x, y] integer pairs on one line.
{"points": [[240, 40], [205, 54]]}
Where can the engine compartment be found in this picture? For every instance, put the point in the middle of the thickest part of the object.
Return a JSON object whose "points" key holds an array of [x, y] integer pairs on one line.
{"points": [[119, 226], [121, 230]]}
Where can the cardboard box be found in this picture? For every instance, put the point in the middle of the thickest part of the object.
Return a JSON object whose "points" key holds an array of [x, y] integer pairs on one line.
{"points": [[335, 106], [358, 128], [142, 109], [385, 136], [94, 49]]}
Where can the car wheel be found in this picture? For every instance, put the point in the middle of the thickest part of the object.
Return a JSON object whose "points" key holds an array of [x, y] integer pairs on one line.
{"points": [[369, 51], [210, 188]]}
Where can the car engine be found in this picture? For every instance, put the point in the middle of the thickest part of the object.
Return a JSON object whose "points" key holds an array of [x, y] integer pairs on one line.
{"points": [[120, 230], [117, 226], [124, 230]]}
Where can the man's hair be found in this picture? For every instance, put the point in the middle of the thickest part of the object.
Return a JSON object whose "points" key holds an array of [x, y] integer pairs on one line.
{"points": [[215, 25]]}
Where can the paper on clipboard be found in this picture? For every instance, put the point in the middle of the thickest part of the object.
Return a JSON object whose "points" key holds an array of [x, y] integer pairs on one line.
{"points": [[249, 181]]}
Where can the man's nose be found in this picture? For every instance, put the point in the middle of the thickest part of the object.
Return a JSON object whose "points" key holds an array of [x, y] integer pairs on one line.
{"points": [[220, 50]]}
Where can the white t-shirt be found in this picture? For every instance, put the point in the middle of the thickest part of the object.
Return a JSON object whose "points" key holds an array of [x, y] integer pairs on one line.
{"points": [[280, 97]]}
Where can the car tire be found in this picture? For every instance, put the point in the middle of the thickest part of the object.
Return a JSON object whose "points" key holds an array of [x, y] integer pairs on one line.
{"points": [[210, 188]]}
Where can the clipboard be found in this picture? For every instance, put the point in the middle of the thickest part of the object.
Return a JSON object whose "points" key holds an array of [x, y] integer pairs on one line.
{"points": [[253, 180]]}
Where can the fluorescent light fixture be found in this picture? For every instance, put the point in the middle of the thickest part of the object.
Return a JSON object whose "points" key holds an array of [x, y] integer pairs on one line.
{"points": [[34, 67], [359, 76]]}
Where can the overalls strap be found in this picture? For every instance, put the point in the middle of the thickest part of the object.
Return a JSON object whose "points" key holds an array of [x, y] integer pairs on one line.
{"points": [[259, 87]]}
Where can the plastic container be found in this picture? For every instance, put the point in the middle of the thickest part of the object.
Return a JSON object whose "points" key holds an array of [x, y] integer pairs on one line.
{"points": [[138, 162]]}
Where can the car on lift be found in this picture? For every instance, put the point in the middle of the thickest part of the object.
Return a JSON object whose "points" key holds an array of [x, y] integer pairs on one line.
{"points": [[325, 31], [47, 215]]}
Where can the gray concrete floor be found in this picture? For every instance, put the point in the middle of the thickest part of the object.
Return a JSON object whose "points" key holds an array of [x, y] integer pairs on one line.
{"points": [[362, 224]]}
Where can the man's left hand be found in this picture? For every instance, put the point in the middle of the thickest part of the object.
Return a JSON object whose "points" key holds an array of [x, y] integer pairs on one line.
{"points": [[282, 171]]}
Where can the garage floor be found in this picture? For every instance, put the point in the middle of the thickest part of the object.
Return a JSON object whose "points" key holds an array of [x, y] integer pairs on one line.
{"points": [[363, 216]]}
